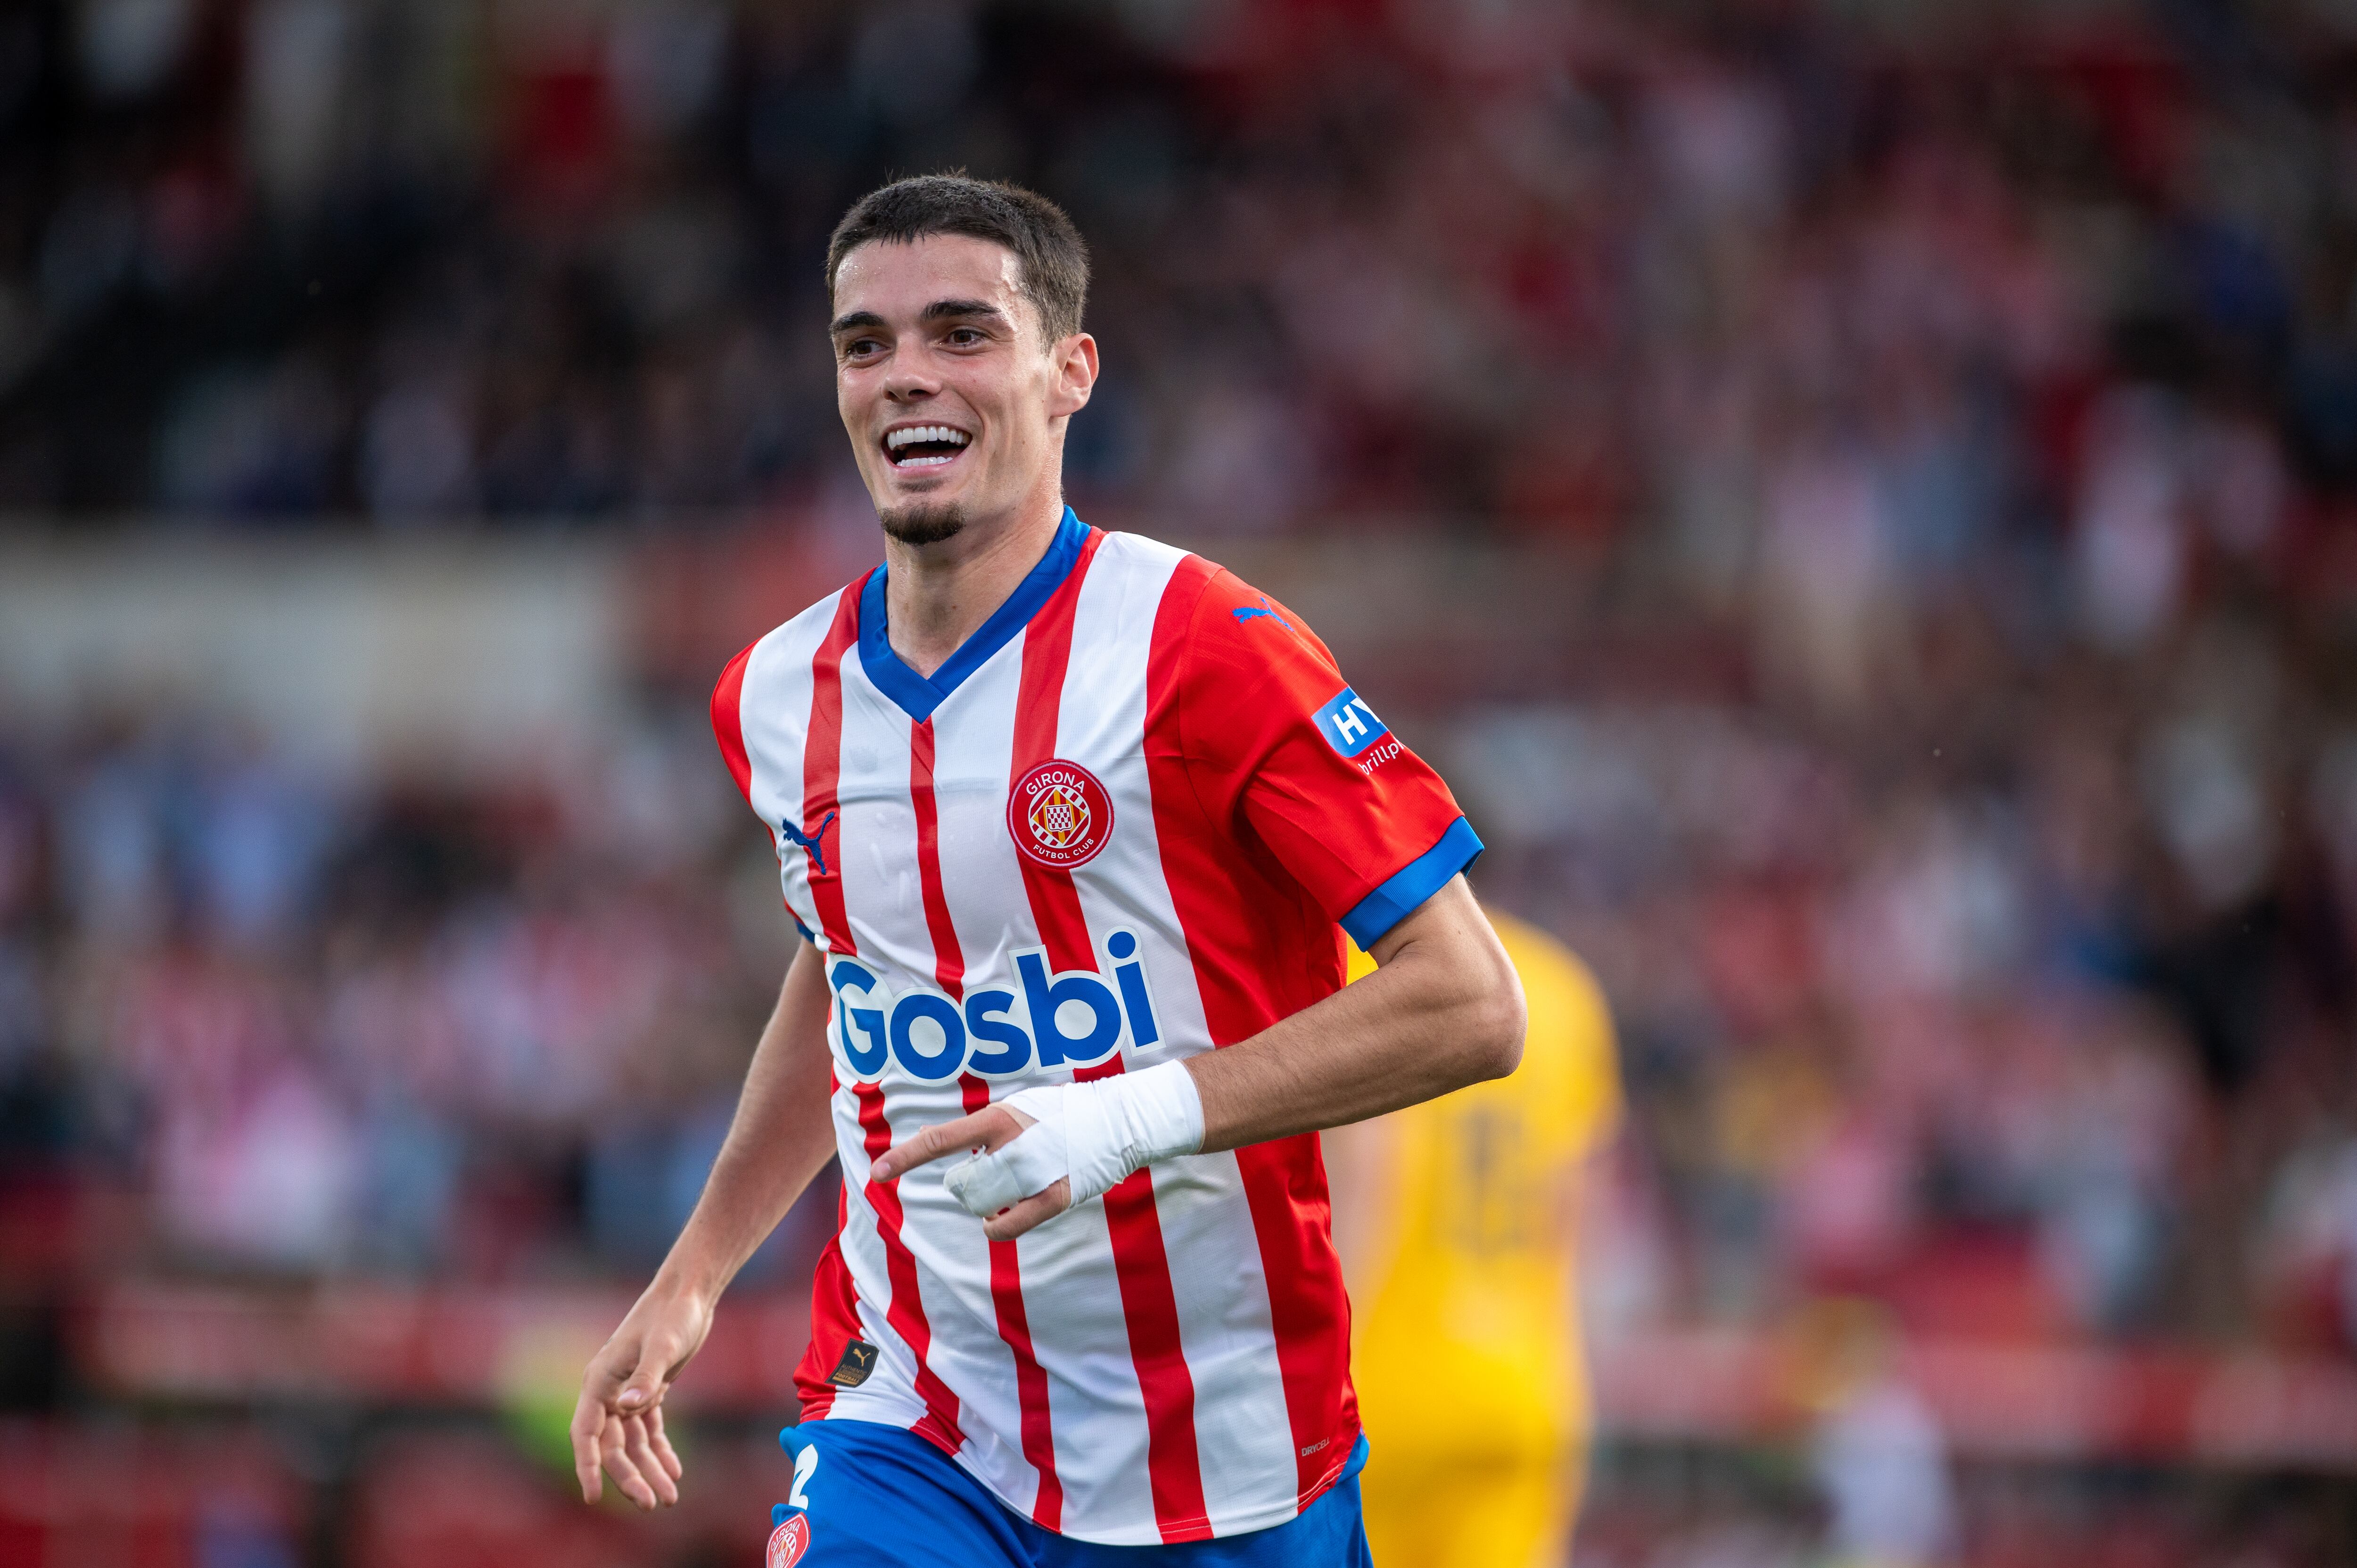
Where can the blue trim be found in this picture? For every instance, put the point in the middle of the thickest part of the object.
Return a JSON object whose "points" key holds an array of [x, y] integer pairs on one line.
{"points": [[1408, 887], [915, 694]]}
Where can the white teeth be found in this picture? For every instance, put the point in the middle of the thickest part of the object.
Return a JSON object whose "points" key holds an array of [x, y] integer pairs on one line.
{"points": [[915, 432]]}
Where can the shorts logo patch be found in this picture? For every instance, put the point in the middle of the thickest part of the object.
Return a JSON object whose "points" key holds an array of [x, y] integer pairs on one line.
{"points": [[1059, 815], [858, 1360], [789, 1541]]}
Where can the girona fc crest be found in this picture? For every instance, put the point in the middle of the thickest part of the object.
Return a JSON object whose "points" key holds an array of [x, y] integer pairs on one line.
{"points": [[1059, 815], [789, 1541]]}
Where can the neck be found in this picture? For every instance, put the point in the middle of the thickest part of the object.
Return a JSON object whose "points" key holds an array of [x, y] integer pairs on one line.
{"points": [[937, 595]]}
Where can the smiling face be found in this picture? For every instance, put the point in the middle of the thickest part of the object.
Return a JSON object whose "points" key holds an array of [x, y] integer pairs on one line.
{"points": [[954, 401]]}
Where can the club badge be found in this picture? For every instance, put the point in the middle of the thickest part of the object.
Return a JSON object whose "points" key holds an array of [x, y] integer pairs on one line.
{"points": [[789, 1541], [1059, 815]]}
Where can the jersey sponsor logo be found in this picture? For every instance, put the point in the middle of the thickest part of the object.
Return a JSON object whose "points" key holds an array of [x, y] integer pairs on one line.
{"points": [[1349, 726], [1255, 612], [789, 1541], [814, 844], [1049, 1020], [1059, 815]]}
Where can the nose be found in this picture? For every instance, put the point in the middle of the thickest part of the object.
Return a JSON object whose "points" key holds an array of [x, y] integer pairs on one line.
{"points": [[907, 382]]}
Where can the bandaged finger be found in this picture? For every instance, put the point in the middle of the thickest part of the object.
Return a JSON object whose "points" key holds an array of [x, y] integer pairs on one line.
{"points": [[1033, 1161], [1093, 1133]]}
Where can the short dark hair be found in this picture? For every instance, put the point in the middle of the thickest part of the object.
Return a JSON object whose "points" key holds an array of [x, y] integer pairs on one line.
{"points": [[1052, 257]]}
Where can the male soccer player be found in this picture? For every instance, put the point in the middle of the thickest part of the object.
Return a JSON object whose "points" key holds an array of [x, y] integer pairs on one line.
{"points": [[1068, 821], [1458, 1221]]}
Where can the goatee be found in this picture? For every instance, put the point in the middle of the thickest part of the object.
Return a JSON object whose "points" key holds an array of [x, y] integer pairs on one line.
{"points": [[922, 522]]}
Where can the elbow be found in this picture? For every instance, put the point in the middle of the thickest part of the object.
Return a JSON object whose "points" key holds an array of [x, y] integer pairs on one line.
{"points": [[1496, 1019]]}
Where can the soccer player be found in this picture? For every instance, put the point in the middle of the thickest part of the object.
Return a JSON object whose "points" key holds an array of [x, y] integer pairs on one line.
{"points": [[1068, 820], [1458, 1222]]}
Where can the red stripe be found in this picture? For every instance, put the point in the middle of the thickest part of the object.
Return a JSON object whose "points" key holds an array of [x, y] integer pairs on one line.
{"points": [[1030, 1380], [938, 1426], [822, 769], [1149, 1307], [834, 1321], [729, 722], [949, 960], [1214, 890]]}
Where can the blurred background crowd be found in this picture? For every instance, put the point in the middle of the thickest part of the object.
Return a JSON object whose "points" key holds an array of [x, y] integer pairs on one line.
{"points": [[1934, 428]]}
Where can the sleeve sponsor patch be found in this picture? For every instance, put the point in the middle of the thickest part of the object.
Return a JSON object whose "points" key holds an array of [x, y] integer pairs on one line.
{"points": [[1349, 726]]}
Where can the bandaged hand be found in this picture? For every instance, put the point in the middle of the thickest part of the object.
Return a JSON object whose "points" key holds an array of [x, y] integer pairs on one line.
{"points": [[1092, 1134]]}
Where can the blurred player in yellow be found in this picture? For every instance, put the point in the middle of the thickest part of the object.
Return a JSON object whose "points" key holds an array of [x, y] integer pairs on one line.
{"points": [[1457, 1221]]}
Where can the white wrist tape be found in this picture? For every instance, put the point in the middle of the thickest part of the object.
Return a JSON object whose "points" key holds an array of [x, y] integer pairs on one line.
{"points": [[1095, 1132]]}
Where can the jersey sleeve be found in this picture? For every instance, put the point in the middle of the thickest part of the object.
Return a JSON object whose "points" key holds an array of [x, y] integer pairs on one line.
{"points": [[728, 729], [728, 720], [1280, 748]]}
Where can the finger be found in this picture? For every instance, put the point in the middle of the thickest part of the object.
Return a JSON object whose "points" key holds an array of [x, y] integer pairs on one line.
{"points": [[1036, 1209], [643, 1454], [613, 1452], [644, 1390], [665, 1453], [588, 1419], [974, 1131]]}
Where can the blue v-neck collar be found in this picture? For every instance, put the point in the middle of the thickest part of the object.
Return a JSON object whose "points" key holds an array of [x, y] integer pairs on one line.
{"points": [[917, 695]]}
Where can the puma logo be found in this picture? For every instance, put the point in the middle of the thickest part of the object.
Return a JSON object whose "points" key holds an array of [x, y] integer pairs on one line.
{"points": [[858, 1360], [811, 843]]}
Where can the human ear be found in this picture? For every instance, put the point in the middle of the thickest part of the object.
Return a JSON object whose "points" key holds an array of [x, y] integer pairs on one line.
{"points": [[1076, 374]]}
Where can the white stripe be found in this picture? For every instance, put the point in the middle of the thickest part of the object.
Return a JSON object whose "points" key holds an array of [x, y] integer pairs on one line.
{"points": [[1073, 1297], [974, 747], [774, 714], [882, 898], [889, 1393]]}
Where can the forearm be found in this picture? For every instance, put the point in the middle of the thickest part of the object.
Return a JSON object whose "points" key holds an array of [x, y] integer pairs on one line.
{"points": [[1443, 1009], [781, 1137]]}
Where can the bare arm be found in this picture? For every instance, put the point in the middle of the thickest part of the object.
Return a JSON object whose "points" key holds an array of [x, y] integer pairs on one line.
{"points": [[780, 1139], [1443, 1009]]}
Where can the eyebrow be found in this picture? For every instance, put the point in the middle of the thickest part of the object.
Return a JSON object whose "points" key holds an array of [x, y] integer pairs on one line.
{"points": [[944, 310], [939, 310]]}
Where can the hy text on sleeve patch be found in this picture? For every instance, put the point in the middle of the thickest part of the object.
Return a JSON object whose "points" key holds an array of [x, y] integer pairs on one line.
{"points": [[1349, 726]]}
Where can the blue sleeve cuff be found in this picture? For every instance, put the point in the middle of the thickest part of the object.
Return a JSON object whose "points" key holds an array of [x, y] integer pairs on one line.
{"points": [[805, 930], [1419, 879]]}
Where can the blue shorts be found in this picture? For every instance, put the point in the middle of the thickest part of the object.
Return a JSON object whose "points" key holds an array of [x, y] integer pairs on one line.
{"points": [[878, 1496]]}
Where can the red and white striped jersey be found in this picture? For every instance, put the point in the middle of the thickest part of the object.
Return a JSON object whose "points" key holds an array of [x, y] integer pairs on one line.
{"points": [[1119, 826]]}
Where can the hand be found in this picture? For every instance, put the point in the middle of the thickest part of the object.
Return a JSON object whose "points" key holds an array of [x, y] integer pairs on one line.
{"points": [[989, 1129], [618, 1423]]}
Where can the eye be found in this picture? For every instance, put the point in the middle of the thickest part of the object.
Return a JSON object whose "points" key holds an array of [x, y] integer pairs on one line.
{"points": [[964, 336], [860, 348]]}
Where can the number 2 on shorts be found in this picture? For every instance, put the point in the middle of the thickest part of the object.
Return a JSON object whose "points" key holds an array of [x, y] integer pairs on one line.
{"points": [[805, 1466]]}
